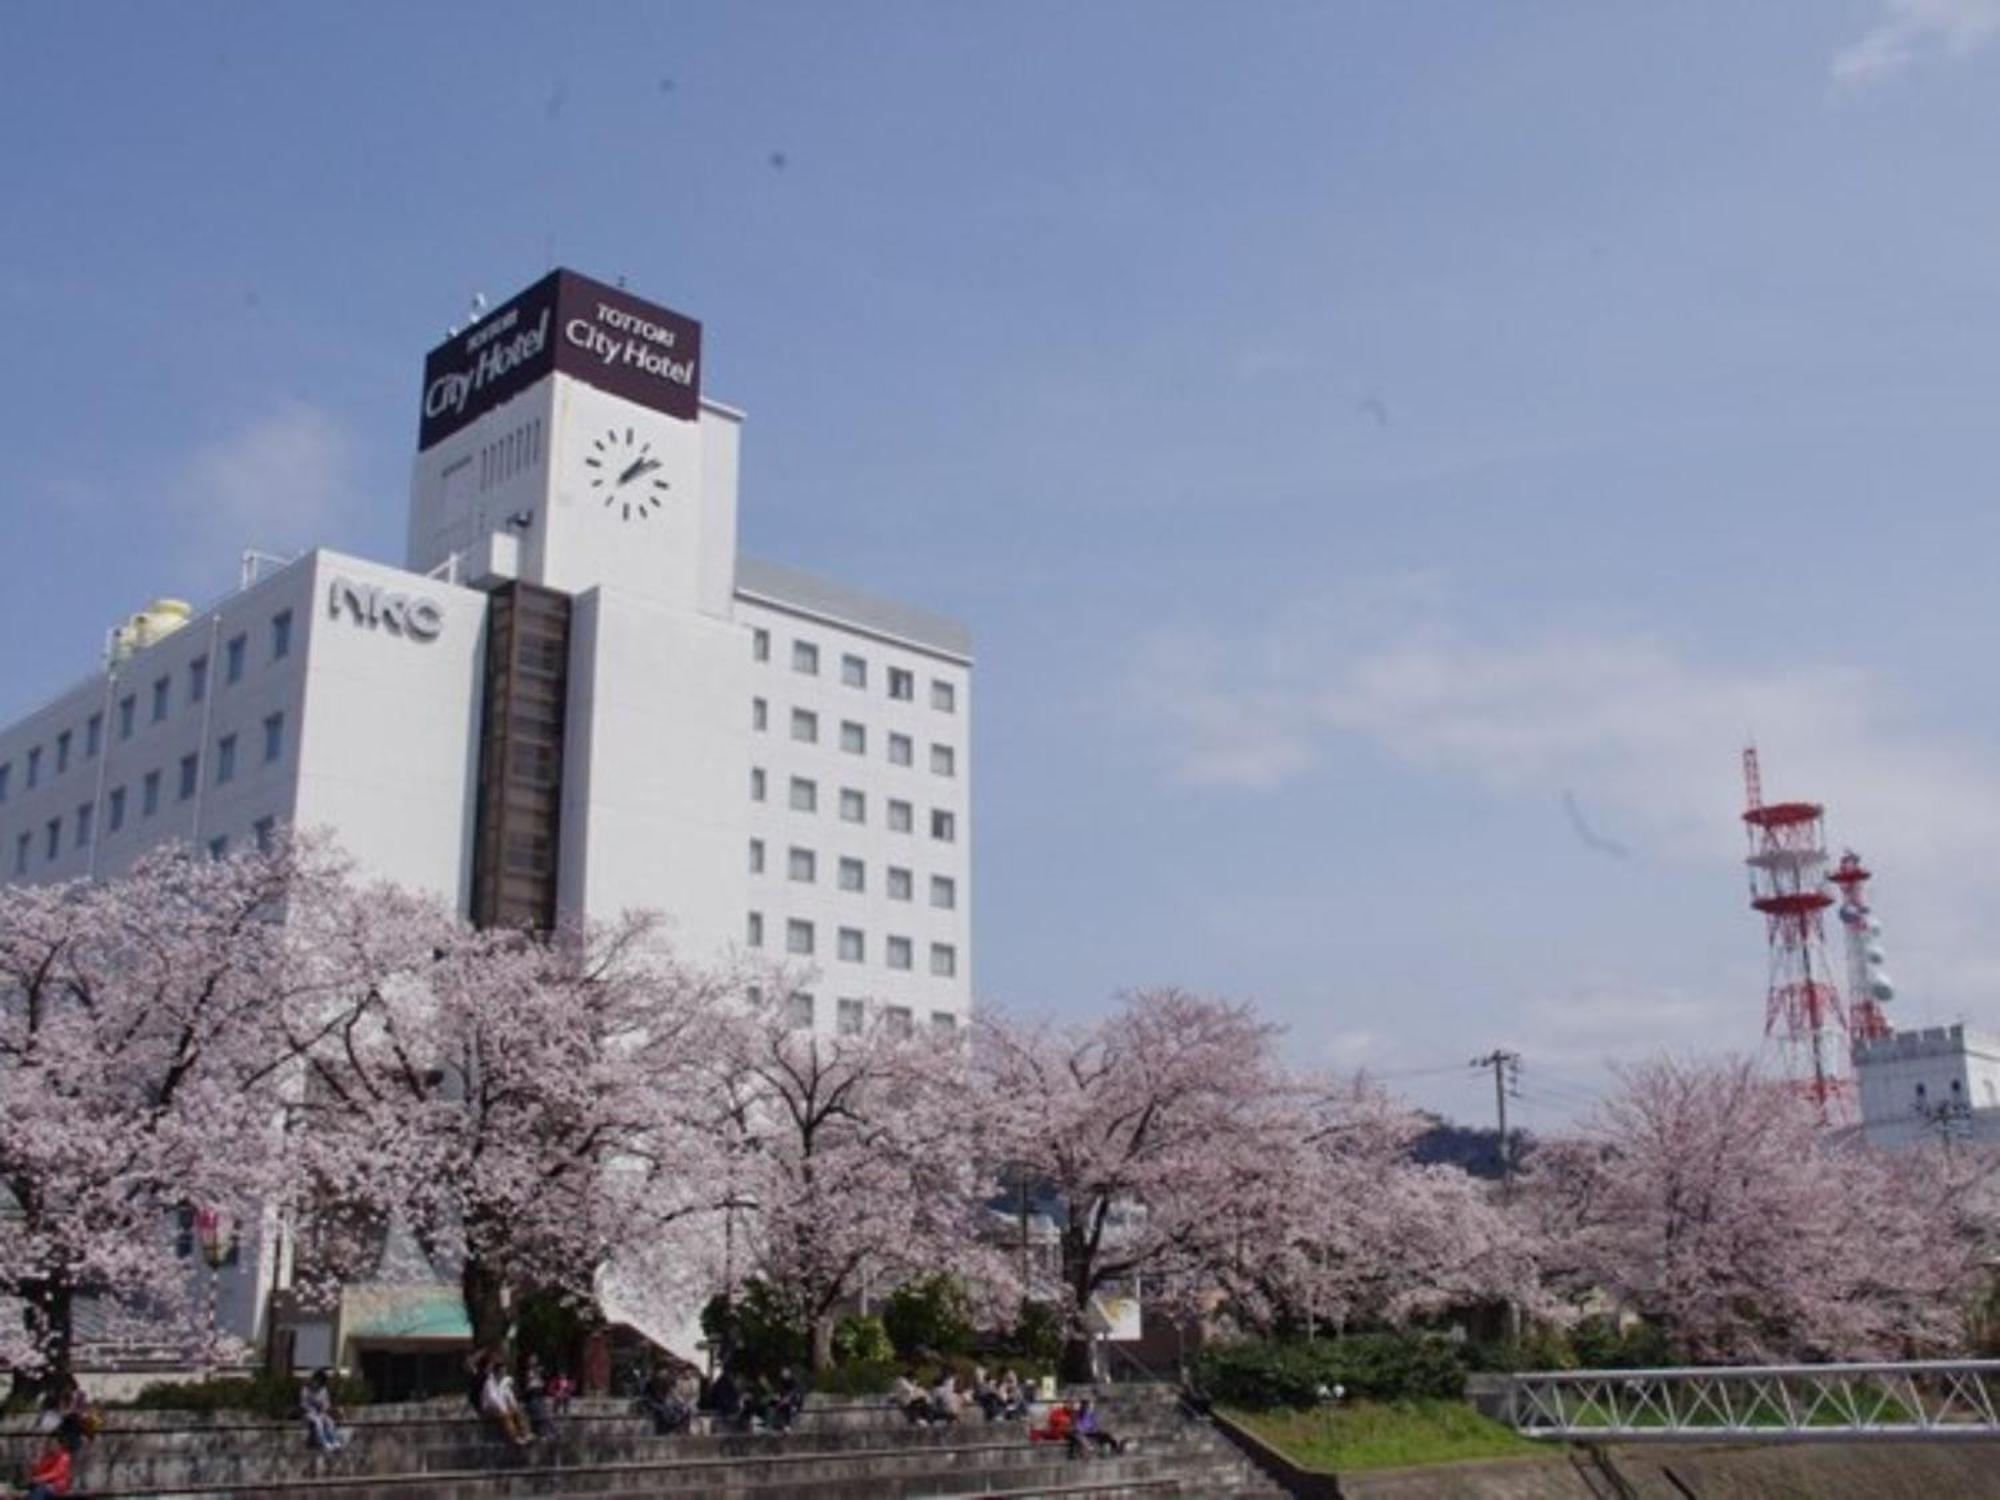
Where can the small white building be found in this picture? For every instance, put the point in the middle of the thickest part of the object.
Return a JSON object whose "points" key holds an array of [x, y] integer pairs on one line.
{"points": [[572, 698], [1915, 1085]]}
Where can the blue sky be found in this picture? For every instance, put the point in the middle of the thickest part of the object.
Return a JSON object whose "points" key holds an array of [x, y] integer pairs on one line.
{"points": [[1389, 454]]}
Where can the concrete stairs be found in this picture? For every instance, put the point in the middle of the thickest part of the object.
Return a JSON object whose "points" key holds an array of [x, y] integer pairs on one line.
{"points": [[840, 1451]]}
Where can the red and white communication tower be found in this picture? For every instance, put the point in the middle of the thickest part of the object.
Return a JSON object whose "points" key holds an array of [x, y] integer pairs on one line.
{"points": [[1869, 987], [1788, 885]]}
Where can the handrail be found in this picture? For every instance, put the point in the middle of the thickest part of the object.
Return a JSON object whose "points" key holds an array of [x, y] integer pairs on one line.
{"points": [[1858, 1399]]}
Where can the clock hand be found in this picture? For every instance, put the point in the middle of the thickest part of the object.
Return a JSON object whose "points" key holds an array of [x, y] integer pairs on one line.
{"points": [[634, 469]]}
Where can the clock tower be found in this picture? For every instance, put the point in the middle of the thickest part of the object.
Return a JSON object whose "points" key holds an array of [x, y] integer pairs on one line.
{"points": [[567, 465], [565, 431]]}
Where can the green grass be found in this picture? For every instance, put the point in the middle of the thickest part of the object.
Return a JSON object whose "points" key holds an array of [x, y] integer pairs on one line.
{"points": [[1384, 1435]]}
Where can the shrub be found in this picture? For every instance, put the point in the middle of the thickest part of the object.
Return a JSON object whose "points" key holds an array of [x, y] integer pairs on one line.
{"points": [[274, 1396], [860, 1378], [1038, 1333], [860, 1339], [1383, 1367], [929, 1316], [1601, 1344], [762, 1329]]}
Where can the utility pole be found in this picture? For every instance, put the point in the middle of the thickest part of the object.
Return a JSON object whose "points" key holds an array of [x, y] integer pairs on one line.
{"points": [[1505, 1066]]}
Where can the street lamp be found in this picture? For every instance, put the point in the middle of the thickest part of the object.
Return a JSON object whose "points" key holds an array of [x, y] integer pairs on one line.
{"points": [[215, 1232]]}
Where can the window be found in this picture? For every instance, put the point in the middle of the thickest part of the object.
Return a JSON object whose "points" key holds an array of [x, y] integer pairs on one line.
{"points": [[197, 679], [943, 1020], [899, 749], [34, 766], [265, 832], [805, 658], [853, 806], [86, 817], [899, 884], [281, 635], [161, 689], [127, 706], [944, 892], [756, 856], [804, 795], [943, 761], [799, 1011], [6, 775], [93, 735], [902, 684], [899, 953], [274, 737], [756, 783], [760, 645], [798, 936], [943, 825], [944, 697], [900, 816], [232, 658], [190, 775], [754, 930], [853, 875], [21, 847], [897, 1020], [53, 836], [62, 752], [760, 715], [944, 960], [853, 737], [149, 794], [852, 945], [218, 847], [225, 759], [802, 865], [853, 671], [849, 1015], [115, 811], [805, 726]]}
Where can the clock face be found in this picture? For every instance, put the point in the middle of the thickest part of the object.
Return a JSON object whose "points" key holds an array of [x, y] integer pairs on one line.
{"points": [[622, 469]]}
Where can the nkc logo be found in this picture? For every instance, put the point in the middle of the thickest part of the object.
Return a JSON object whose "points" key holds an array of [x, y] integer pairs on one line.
{"points": [[418, 618]]}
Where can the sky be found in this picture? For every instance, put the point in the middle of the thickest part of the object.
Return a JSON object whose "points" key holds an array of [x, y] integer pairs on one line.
{"points": [[1392, 457]]}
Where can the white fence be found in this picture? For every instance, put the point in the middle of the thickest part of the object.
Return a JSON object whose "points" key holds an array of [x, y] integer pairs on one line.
{"points": [[1955, 1398]]}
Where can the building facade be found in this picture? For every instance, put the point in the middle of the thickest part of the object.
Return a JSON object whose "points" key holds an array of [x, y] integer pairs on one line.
{"points": [[572, 699], [1938, 1082]]}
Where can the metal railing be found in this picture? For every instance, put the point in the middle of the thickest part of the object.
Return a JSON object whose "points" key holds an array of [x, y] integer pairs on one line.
{"points": [[1955, 1398]]}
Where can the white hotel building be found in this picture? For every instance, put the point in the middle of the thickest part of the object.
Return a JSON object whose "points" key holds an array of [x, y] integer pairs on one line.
{"points": [[573, 698]]}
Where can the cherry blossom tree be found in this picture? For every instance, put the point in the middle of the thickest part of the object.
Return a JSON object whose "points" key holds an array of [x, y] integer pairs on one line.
{"points": [[139, 1055], [1359, 1231], [1706, 1197], [851, 1162], [527, 1107], [1166, 1132]]}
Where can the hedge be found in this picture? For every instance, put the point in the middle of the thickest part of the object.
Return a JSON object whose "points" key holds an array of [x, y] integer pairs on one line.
{"points": [[1260, 1373]]}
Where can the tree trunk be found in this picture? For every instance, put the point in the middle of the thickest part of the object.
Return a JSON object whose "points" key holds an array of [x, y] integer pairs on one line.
{"points": [[48, 1309], [822, 1343], [483, 1304]]}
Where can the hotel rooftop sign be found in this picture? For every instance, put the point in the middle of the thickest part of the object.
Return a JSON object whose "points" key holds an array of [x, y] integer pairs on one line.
{"points": [[595, 333]]}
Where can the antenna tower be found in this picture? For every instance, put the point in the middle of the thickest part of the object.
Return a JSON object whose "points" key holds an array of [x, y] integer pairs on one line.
{"points": [[1868, 985], [1787, 865]]}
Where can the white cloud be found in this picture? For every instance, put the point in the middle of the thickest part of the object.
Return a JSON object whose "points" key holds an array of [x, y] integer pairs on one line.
{"points": [[1912, 31], [283, 483], [1646, 736]]}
